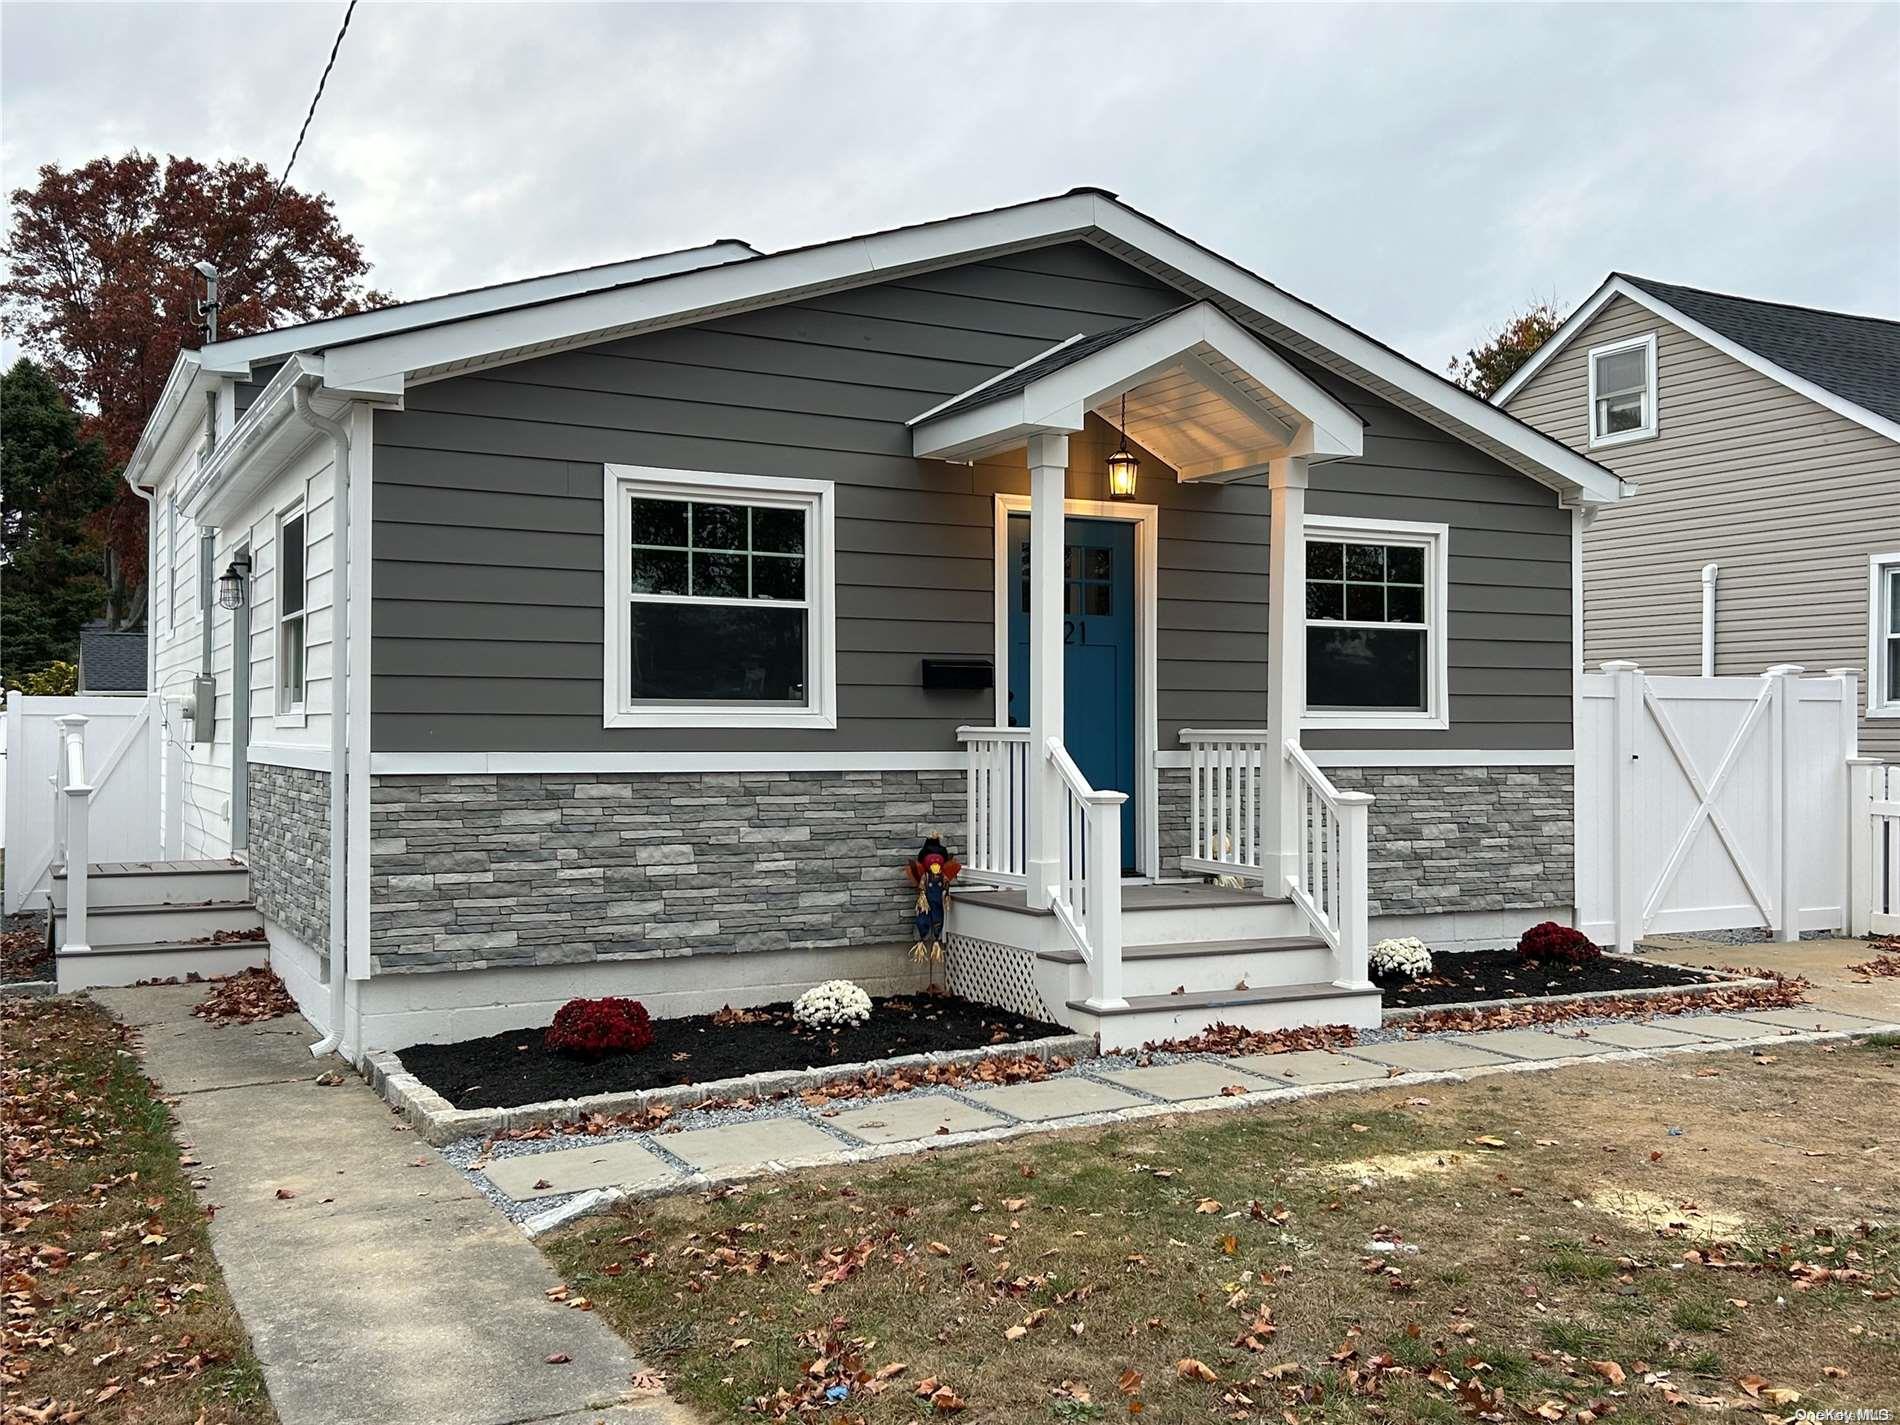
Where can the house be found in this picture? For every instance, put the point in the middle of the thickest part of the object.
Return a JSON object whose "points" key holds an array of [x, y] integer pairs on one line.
{"points": [[624, 631], [111, 661], [1765, 440]]}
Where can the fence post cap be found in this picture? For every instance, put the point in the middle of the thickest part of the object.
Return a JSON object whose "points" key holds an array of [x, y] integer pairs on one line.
{"points": [[72, 719], [1843, 672], [1621, 665], [1783, 670], [1353, 799]]}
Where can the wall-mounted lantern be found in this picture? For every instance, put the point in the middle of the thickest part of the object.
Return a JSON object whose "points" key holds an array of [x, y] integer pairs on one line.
{"points": [[232, 583]]}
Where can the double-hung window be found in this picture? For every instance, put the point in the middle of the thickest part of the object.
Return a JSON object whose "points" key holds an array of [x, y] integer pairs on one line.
{"points": [[1623, 391], [292, 630], [1883, 635], [1375, 624], [719, 600]]}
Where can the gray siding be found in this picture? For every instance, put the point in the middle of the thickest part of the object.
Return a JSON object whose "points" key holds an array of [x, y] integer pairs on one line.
{"points": [[488, 545], [1788, 497]]}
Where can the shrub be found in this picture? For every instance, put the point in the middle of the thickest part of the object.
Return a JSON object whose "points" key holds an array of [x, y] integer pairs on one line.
{"points": [[1551, 941], [600, 1028], [836, 1004], [1406, 959]]}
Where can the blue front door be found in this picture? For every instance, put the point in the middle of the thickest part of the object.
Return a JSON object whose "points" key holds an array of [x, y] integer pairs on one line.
{"points": [[1098, 637]]}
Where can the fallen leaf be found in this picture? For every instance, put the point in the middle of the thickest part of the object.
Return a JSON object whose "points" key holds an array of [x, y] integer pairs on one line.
{"points": [[1609, 1370], [286, 1194], [1190, 1369], [559, 1358]]}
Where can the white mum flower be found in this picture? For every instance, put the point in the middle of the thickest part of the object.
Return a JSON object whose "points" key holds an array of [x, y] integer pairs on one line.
{"points": [[1407, 959], [836, 1004]]}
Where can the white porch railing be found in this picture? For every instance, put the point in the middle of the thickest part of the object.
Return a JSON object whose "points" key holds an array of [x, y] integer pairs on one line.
{"points": [[1231, 833], [1328, 876], [72, 826], [1227, 775], [1087, 895], [996, 838]]}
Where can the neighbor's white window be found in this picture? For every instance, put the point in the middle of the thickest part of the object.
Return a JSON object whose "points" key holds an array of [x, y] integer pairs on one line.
{"points": [[292, 631], [1375, 623], [1883, 635], [719, 600], [1623, 391]]}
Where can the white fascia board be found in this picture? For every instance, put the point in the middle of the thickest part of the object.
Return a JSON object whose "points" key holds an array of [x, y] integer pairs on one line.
{"points": [[161, 437], [689, 296], [1568, 470], [239, 354], [1748, 356]]}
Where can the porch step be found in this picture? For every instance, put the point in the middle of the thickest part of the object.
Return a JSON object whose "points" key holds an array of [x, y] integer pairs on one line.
{"points": [[161, 922], [1159, 969], [1164, 913], [103, 966], [159, 883], [1147, 1018]]}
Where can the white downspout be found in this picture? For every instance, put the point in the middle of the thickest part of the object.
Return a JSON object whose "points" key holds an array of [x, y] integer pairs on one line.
{"points": [[339, 707], [1709, 572]]}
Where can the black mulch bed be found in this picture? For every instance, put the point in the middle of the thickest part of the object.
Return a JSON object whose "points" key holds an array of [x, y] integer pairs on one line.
{"points": [[504, 1070], [1459, 977]]}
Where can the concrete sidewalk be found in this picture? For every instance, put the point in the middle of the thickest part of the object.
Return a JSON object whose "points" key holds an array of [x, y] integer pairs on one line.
{"points": [[378, 1286]]}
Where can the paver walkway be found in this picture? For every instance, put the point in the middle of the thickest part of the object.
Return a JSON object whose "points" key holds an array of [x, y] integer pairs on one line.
{"points": [[378, 1286], [1103, 1090]]}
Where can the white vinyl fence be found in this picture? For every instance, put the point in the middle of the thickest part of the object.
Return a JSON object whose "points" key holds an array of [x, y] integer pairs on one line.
{"points": [[122, 757], [1712, 803], [1875, 842]]}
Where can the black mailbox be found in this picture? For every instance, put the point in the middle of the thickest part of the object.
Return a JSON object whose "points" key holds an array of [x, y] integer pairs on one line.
{"points": [[962, 675]]}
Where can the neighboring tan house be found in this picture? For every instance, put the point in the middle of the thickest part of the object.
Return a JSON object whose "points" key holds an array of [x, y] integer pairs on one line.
{"points": [[1765, 442], [625, 631]]}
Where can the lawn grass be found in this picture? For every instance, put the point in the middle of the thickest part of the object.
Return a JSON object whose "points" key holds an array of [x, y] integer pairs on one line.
{"points": [[1067, 1277], [116, 1311]]}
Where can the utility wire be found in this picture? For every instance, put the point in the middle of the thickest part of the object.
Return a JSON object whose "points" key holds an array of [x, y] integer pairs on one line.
{"points": [[316, 98]]}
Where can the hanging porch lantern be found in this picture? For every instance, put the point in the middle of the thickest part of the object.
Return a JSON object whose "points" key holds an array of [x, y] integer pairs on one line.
{"points": [[1123, 467], [231, 584]]}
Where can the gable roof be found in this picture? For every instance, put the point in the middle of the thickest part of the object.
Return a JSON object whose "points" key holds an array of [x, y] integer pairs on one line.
{"points": [[1046, 363], [111, 662], [382, 364], [1849, 363]]}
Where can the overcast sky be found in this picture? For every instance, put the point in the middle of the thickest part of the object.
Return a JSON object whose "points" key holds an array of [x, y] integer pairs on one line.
{"points": [[1419, 171]]}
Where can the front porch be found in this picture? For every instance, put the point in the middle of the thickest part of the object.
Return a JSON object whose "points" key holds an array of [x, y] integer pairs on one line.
{"points": [[1055, 823]]}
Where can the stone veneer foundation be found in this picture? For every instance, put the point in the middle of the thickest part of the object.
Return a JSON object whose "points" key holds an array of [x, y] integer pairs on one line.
{"points": [[1442, 839], [289, 848], [515, 870]]}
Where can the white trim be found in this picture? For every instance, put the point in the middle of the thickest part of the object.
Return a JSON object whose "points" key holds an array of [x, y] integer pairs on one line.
{"points": [[1880, 567], [1652, 422], [449, 764], [290, 713], [309, 756], [1147, 522], [1058, 402], [817, 498], [1435, 539], [1615, 286]]}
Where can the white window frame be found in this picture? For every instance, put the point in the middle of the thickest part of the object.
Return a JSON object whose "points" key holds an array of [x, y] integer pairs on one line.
{"points": [[622, 484], [168, 538], [1881, 633], [1435, 540], [289, 713], [1647, 430]]}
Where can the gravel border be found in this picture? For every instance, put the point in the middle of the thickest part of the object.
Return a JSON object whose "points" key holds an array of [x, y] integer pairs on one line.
{"points": [[438, 1122], [29, 989]]}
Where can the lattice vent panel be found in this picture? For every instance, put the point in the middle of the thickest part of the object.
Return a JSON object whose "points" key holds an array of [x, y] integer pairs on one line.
{"points": [[1002, 975]]}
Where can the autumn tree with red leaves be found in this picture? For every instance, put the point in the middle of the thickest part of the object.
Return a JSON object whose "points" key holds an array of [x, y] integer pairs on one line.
{"points": [[102, 290], [1485, 368]]}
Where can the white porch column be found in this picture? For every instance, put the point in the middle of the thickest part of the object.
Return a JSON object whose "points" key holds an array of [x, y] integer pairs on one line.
{"points": [[1286, 659], [1048, 488]]}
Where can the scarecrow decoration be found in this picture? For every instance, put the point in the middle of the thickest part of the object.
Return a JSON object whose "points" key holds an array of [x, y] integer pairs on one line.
{"points": [[931, 871]]}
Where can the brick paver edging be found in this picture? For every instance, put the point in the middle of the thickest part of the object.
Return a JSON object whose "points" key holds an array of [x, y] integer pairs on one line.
{"points": [[1725, 980], [598, 1200], [438, 1122]]}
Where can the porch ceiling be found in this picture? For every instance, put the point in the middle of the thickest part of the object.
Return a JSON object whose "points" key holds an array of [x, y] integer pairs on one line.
{"points": [[1203, 393]]}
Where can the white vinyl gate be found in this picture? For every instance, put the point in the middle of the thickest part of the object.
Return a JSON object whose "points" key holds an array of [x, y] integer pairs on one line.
{"points": [[1876, 847], [1712, 803], [122, 761]]}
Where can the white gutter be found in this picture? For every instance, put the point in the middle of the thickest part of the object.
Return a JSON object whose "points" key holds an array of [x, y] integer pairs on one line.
{"points": [[1709, 572], [339, 436]]}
